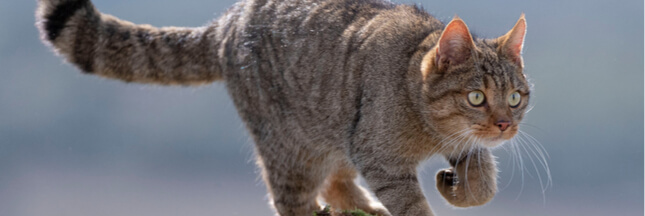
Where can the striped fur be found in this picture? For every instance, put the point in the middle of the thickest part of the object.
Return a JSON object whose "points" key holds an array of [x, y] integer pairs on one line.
{"points": [[104, 45], [329, 90]]}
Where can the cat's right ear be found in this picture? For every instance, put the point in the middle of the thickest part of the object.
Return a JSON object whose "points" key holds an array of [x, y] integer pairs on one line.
{"points": [[511, 44], [455, 46]]}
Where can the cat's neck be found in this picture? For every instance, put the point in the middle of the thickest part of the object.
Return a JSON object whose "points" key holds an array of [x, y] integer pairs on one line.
{"points": [[416, 81], [420, 125]]}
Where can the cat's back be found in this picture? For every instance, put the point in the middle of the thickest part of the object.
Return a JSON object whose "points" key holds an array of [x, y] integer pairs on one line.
{"points": [[304, 61]]}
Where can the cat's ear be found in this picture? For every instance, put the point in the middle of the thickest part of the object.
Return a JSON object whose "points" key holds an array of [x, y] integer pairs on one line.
{"points": [[455, 44], [511, 44]]}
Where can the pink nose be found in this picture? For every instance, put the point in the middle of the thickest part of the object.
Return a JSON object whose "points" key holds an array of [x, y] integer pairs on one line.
{"points": [[503, 125]]}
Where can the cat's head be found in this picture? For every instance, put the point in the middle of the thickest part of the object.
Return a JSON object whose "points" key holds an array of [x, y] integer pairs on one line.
{"points": [[475, 89]]}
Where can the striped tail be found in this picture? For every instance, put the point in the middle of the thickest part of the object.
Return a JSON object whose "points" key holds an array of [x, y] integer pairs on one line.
{"points": [[107, 46]]}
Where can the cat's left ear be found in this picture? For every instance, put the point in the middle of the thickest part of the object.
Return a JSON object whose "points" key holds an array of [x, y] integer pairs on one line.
{"points": [[455, 46], [512, 43]]}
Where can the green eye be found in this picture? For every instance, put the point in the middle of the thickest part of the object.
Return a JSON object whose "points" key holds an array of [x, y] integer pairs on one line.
{"points": [[514, 99], [476, 98]]}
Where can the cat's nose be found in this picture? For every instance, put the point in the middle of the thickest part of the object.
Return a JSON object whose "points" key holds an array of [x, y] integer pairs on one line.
{"points": [[503, 125]]}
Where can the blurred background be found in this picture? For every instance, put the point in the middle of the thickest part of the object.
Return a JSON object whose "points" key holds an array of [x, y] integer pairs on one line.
{"points": [[74, 145]]}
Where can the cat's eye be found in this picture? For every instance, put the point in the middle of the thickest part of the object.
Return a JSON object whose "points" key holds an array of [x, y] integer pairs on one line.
{"points": [[514, 99], [476, 98]]}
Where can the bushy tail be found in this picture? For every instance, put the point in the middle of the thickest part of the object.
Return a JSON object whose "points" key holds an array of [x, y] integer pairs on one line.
{"points": [[107, 46]]}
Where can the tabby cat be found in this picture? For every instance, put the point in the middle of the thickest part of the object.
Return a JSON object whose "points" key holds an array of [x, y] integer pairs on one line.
{"points": [[329, 90]]}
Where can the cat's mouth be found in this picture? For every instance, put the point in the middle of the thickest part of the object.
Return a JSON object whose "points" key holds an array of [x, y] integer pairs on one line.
{"points": [[493, 138], [493, 141]]}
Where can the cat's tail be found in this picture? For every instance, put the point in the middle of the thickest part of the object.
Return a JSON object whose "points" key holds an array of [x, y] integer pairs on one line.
{"points": [[107, 46]]}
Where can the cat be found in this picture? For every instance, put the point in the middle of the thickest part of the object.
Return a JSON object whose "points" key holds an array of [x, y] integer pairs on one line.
{"points": [[330, 90]]}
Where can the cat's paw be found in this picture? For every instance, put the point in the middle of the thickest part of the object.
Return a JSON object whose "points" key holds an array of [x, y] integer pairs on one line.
{"points": [[447, 178], [463, 193], [447, 183]]}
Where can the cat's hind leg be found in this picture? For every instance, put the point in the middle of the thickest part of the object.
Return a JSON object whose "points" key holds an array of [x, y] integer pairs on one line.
{"points": [[342, 193], [293, 184]]}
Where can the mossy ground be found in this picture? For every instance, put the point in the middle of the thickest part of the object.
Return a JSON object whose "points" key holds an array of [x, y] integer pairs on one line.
{"points": [[327, 212]]}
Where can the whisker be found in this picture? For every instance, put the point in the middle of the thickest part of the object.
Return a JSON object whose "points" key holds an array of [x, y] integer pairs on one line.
{"points": [[542, 159], [528, 109], [457, 144], [532, 126], [536, 142], [530, 152], [537, 172], [483, 179], [448, 141], [517, 151], [512, 161], [466, 182]]}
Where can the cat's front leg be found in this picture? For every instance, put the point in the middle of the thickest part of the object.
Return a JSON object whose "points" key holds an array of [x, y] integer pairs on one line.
{"points": [[471, 181], [397, 187]]}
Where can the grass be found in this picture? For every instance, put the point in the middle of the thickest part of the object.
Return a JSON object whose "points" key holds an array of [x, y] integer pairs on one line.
{"points": [[327, 212]]}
